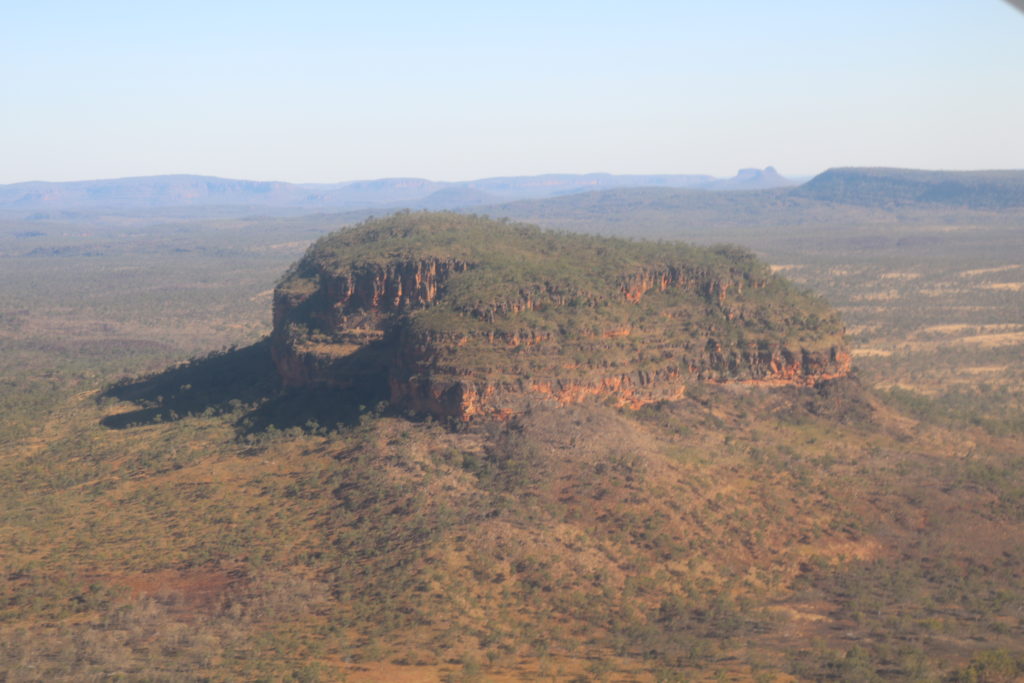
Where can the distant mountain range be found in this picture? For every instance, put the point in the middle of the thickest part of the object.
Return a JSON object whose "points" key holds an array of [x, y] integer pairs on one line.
{"points": [[841, 209], [768, 195], [205, 191]]}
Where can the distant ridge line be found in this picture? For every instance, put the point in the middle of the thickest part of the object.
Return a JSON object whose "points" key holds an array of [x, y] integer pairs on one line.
{"points": [[875, 187], [185, 190], [885, 187]]}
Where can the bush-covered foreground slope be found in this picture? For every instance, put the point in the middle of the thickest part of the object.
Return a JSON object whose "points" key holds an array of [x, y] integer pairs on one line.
{"points": [[204, 523], [163, 531]]}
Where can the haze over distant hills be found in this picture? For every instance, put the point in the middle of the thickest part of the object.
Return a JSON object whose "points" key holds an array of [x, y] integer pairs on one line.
{"points": [[828, 206], [195, 191], [752, 197], [895, 187], [842, 208]]}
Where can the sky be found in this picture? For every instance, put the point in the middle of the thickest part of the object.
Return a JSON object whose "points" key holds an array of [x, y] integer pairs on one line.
{"points": [[312, 91]]}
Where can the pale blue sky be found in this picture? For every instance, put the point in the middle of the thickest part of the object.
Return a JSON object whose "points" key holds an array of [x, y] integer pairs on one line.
{"points": [[330, 91]]}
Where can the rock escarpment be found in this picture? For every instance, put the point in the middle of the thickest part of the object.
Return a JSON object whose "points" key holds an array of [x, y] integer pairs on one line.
{"points": [[461, 316]]}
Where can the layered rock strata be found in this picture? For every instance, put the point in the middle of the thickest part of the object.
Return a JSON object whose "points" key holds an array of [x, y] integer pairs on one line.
{"points": [[464, 317]]}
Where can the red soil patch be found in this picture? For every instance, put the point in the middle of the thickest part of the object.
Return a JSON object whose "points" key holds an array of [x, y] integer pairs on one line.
{"points": [[191, 589]]}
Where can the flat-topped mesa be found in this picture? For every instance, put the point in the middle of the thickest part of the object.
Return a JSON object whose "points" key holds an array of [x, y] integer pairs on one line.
{"points": [[461, 316]]}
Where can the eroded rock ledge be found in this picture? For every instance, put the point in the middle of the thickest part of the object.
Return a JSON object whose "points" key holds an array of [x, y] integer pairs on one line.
{"points": [[461, 317]]}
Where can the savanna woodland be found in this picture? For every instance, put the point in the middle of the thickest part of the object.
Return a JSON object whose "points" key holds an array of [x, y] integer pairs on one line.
{"points": [[438, 446]]}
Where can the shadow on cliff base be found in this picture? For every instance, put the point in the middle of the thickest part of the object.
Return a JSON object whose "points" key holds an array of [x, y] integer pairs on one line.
{"points": [[241, 383]]}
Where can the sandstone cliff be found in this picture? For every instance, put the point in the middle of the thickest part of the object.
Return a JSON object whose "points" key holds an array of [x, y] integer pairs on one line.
{"points": [[462, 317]]}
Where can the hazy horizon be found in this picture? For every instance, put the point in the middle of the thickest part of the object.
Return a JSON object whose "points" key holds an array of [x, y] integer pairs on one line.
{"points": [[404, 177], [323, 93], [802, 177]]}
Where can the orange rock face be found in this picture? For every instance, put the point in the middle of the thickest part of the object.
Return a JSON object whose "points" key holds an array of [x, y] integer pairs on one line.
{"points": [[365, 335]]}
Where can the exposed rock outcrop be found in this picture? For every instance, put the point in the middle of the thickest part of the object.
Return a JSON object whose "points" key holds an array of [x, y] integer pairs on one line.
{"points": [[464, 317]]}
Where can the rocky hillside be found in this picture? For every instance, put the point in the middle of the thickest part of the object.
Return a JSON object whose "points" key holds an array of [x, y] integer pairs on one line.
{"points": [[461, 316]]}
